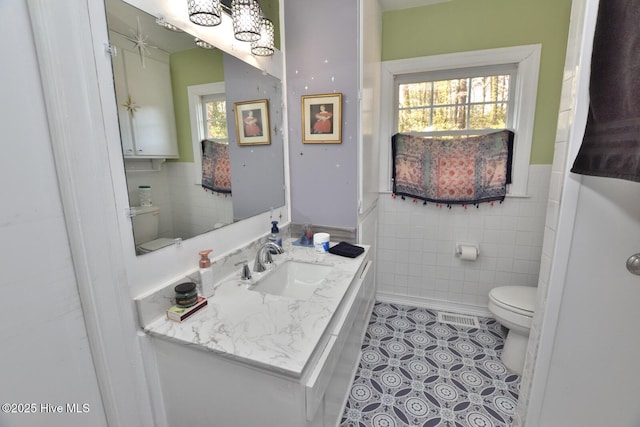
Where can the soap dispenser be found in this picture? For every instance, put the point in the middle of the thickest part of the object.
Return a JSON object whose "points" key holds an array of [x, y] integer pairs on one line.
{"points": [[206, 274], [275, 236]]}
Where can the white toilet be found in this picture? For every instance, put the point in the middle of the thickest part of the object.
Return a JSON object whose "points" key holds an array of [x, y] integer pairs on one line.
{"points": [[513, 306], [145, 230]]}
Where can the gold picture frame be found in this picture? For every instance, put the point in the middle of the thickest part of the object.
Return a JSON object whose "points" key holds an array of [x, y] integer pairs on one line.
{"points": [[322, 119], [252, 122]]}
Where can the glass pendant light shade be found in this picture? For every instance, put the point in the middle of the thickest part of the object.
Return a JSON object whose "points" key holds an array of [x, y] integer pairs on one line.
{"points": [[264, 45], [205, 12], [246, 19]]}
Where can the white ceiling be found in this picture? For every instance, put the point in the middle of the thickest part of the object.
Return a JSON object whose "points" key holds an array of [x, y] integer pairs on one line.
{"points": [[123, 19], [406, 4]]}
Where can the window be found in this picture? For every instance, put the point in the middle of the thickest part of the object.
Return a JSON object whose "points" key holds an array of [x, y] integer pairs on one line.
{"points": [[214, 117], [208, 115], [452, 102], [464, 93]]}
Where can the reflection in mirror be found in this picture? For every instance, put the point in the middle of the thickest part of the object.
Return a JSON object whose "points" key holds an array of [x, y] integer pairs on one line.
{"points": [[171, 95]]}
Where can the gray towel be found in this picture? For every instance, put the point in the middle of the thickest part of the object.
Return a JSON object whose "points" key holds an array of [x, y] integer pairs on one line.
{"points": [[611, 144]]}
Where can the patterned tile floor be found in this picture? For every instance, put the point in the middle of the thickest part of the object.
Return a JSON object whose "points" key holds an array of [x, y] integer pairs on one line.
{"points": [[415, 371]]}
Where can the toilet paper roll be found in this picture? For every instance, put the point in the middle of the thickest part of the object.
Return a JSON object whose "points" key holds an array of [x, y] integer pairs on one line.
{"points": [[468, 253], [321, 242]]}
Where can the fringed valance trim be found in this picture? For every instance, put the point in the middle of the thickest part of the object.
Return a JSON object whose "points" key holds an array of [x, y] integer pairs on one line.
{"points": [[465, 206]]}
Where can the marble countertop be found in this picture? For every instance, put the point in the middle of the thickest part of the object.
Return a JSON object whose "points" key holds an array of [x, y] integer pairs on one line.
{"points": [[264, 330]]}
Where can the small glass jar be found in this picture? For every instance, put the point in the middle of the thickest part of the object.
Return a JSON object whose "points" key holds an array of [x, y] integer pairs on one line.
{"points": [[186, 294], [144, 193]]}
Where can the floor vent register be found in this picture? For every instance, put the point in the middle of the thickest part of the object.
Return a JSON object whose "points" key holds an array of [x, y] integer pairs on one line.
{"points": [[458, 319]]}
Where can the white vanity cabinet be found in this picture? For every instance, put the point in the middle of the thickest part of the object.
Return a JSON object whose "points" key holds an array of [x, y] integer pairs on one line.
{"points": [[145, 100], [202, 388]]}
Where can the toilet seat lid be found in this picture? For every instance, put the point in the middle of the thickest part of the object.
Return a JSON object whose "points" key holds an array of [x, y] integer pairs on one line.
{"points": [[522, 298], [156, 244]]}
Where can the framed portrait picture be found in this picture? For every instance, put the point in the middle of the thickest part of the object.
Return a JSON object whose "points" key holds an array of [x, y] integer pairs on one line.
{"points": [[252, 122], [322, 118]]}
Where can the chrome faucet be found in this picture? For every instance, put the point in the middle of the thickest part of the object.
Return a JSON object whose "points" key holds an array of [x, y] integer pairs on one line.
{"points": [[263, 256]]}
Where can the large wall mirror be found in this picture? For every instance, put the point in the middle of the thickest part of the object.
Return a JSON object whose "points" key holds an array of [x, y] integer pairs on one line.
{"points": [[172, 95]]}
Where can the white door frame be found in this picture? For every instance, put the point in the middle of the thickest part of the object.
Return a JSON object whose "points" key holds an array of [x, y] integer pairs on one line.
{"points": [[566, 218], [66, 49]]}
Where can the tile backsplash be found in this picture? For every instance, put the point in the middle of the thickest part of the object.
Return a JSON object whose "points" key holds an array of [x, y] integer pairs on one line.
{"points": [[416, 245]]}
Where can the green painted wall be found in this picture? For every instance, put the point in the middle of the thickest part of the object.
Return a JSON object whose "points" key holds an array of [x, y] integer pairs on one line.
{"points": [[465, 25], [271, 10], [198, 66], [191, 67]]}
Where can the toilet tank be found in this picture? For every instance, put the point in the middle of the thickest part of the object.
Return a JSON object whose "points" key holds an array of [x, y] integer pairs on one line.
{"points": [[145, 224]]}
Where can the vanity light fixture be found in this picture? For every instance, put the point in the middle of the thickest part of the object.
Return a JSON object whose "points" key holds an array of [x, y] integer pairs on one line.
{"points": [[164, 24], [207, 13], [249, 23], [264, 45], [203, 44]]}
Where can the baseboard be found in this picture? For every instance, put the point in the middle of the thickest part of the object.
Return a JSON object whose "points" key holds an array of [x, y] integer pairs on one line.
{"points": [[434, 304], [517, 421]]}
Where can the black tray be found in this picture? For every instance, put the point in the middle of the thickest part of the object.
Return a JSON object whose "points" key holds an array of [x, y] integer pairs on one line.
{"points": [[346, 249]]}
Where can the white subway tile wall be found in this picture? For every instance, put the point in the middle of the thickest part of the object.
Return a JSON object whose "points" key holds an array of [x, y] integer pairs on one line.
{"points": [[416, 245], [186, 209], [196, 210]]}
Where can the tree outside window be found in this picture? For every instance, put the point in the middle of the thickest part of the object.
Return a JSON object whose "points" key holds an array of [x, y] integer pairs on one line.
{"points": [[452, 105]]}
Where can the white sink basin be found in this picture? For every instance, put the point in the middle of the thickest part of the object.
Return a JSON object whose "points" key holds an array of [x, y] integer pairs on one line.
{"points": [[293, 279]]}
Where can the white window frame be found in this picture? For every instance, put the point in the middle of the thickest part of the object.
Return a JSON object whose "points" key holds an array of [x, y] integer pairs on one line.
{"points": [[527, 59], [196, 115]]}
